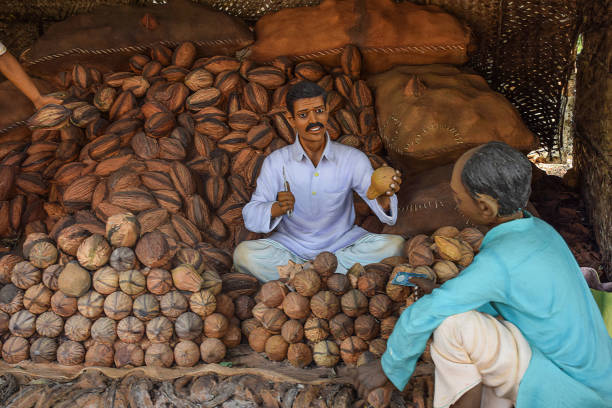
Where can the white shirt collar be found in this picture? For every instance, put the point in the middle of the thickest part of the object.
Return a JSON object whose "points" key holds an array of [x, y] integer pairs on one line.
{"points": [[298, 151]]}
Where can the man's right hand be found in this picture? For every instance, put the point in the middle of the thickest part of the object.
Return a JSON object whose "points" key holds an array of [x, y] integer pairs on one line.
{"points": [[284, 203]]}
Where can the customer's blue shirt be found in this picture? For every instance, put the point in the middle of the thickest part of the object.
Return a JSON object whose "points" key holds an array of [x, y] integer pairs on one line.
{"points": [[324, 215], [527, 274]]}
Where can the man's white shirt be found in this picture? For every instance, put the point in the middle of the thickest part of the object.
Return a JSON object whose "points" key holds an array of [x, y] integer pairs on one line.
{"points": [[324, 215], [2, 48]]}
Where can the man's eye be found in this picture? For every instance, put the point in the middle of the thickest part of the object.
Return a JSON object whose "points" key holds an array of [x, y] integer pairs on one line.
{"points": [[302, 115], [320, 110]]}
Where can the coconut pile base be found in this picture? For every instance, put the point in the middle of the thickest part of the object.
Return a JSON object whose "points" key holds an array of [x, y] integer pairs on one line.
{"points": [[251, 381]]}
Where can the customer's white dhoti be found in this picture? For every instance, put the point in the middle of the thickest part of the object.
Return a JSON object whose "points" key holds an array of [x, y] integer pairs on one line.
{"points": [[472, 348]]}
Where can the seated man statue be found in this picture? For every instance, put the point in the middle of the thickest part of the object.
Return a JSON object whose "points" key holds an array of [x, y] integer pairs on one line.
{"points": [[305, 195], [519, 325]]}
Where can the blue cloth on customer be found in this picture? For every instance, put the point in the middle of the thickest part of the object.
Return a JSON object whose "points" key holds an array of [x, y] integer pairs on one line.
{"points": [[324, 215], [260, 257], [525, 272]]}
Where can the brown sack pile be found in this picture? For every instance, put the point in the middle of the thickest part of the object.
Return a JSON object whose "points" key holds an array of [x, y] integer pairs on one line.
{"points": [[430, 115], [107, 37], [387, 34]]}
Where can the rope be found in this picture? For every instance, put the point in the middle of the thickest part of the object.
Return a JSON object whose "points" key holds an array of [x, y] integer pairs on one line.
{"points": [[128, 49], [13, 126], [415, 49]]}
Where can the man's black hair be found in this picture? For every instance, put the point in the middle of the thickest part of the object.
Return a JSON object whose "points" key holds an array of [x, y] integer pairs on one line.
{"points": [[303, 90], [501, 172]]}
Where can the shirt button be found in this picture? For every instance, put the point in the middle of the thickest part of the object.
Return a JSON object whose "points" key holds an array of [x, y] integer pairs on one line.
{"points": [[314, 193], [316, 174]]}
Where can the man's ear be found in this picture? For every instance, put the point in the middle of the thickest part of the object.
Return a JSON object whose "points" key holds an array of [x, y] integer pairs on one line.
{"points": [[487, 206], [290, 119]]}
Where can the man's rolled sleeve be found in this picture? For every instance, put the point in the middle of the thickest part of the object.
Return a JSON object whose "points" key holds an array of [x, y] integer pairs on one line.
{"points": [[362, 177], [257, 213]]}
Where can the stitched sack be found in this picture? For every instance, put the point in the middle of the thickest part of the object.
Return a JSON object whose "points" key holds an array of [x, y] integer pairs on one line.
{"points": [[106, 38], [429, 115], [387, 34]]}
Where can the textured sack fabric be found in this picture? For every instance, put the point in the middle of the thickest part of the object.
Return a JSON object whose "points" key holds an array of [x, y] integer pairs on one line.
{"points": [[106, 38], [429, 115], [16, 108], [425, 203], [387, 33]]}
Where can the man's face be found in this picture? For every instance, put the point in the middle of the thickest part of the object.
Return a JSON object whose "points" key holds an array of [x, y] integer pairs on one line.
{"points": [[310, 118], [464, 200]]}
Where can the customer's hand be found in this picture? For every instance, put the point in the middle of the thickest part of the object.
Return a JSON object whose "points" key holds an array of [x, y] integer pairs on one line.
{"points": [[368, 377], [44, 100]]}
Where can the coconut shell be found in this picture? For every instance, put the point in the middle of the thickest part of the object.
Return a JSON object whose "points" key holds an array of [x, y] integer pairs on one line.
{"points": [[7, 263], [146, 307], [159, 281], [212, 351], [186, 353], [273, 320], [94, 252], [188, 326], [48, 324], [43, 254], [276, 348], [341, 326], [326, 353], [325, 264], [372, 283], [185, 277], [130, 329], [132, 282], [306, 283], [296, 306], [316, 329], [292, 331], [105, 280], [159, 355], [351, 349], [258, 338], [50, 276], [299, 355], [238, 284], [160, 330], [70, 353], [420, 255], [366, 327], [70, 238], [173, 304], [15, 349], [99, 355], [248, 325], [325, 305], [154, 249], [387, 325], [123, 259], [128, 355], [445, 270], [25, 275], [104, 330], [23, 323], [74, 280], [380, 306], [91, 304], [191, 257], [37, 298], [63, 305], [203, 303], [338, 284], [117, 305], [11, 299], [354, 303], [77, 328], [233, 337], [122, 230]]}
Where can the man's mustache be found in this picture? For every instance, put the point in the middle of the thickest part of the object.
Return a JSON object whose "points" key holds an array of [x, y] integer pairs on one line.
{"points": [[314, 125]]}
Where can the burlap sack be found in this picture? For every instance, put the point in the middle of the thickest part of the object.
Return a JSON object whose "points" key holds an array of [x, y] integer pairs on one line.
{"points": [[106, 38], [429, 115], [425, 203], [387, 33], [15, 108]]}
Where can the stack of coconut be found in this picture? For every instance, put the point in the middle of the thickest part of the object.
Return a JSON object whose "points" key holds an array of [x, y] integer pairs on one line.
{"points": [[120, 299], [317, 314], [177, 141]]}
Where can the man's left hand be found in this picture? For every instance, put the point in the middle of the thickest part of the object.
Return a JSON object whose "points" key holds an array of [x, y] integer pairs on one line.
{"points": [[394, 187]]}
